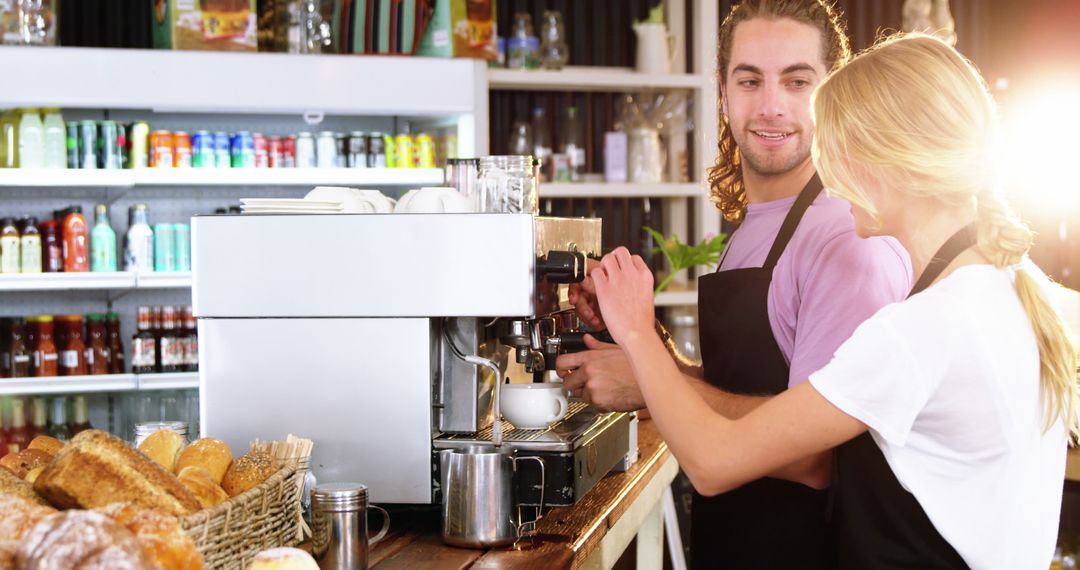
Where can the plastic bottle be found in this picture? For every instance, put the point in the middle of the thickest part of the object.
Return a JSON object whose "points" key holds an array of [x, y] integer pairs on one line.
{"points": [[76, 241], [10, 256], [18, 437], [9, 139], [31, 140], [573, 145], [58, 427], [30, 247], [55, 151], [102, 241], [542, 147], [139, 240]]}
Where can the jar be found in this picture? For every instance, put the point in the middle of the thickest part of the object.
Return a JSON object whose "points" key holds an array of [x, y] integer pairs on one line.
{"points": [[508, 185], [684, 334], [554, 52], [144, 429], [461, 174]]}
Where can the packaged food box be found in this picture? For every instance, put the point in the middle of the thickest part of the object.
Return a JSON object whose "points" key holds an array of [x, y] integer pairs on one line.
{"points": [[461, 28], [206, 25]]}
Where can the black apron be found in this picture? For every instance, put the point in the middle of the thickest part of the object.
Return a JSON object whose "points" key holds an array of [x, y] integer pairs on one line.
{"points": [[768, 523], [877, 523]]}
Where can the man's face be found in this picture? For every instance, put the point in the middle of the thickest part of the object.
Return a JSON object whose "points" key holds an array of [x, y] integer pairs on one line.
{"points": [[775, 65]]}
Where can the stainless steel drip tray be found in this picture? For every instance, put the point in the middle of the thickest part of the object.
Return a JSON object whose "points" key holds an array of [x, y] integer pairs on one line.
{"points": [[581, 425]]}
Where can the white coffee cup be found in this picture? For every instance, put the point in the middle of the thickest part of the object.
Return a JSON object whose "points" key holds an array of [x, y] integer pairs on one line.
{"points": [[533, 406], [438, 200]]}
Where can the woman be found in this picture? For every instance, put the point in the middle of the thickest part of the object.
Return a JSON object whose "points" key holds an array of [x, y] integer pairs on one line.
{"points": [[951, 409]]}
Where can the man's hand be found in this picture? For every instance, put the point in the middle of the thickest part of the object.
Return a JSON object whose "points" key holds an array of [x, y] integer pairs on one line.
{"points": [[601, 376], [583, 297]]}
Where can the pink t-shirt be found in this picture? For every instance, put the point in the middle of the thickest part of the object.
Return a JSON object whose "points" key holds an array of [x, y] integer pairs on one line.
{"points": [[827, 281]]}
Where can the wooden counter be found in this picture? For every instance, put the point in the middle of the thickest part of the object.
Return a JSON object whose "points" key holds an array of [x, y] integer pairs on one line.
{"points": [[591, 534]]}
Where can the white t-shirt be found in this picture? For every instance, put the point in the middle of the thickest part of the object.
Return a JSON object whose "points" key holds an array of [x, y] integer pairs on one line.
{"points": [[948, 383]]}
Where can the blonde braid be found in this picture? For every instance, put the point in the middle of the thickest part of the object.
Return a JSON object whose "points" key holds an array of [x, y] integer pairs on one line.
{"points": [[1005, 240]]}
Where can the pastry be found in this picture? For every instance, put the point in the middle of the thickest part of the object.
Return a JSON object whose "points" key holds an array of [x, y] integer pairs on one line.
{"points": [[202, 485], [211, 454], [18, 515], [81, 539], [46, 443], [22, 462], [248, 471], [164, 447], [160, 535], [283, 559]]}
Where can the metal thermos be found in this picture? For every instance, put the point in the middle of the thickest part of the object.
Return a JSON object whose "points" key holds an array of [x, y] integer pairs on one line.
{"points": [[339, 526]]}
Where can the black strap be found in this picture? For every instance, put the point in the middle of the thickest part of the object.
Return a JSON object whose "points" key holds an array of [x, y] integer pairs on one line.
{"points": [[964, 238], [807, 195]]}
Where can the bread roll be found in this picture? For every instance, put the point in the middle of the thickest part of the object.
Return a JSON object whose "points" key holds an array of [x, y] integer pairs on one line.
{"points": [[202, 485], [283, 559], [46, 443], [12, 485], [32, 474], [22, 462], [164, 447], [18, 515], [211, 454], [7, 554], [160, 535], [82, 540], [96, 469], [248, 471]]}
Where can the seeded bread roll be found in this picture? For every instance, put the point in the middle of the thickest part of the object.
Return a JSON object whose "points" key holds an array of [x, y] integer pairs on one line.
{"points": [[46, 443], [18, 515], [97, 469], [164, 447], [211, 454], [159, 534], [12, 485], [82, 540], [24, 461], [202, 485], [248, 471]]}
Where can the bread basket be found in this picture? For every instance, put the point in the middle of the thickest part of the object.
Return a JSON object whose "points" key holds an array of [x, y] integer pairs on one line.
{"points": [[229, 535]]}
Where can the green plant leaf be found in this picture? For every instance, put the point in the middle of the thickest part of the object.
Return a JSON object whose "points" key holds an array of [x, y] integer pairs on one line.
{"points": [[683, 256]]}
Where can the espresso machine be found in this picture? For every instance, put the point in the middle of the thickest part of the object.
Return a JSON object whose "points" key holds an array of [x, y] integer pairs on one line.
{"points": [[382, 337]]}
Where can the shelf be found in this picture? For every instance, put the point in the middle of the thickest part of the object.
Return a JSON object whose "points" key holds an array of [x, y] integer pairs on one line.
{"points": [[168, 381], [245, 83], [154, 177], [67, 384], [163, 280], [94, 281], [74, 178], [609, 190], [589, 79]]}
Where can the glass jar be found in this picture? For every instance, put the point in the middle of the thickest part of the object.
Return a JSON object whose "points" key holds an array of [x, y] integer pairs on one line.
{"points": [[554, 52], [508, 185], [144, 429], [462, 174], [684, 334], [522, 47]]}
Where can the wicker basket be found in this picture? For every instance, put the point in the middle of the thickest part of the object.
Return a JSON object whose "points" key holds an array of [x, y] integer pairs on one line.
{"points": [[267, 516]]}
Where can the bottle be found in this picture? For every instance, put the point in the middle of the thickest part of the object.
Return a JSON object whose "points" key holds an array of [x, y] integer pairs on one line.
{"points": [[39, 416], [45, 355], [52, 247], [554, 52], [73, 361], [143, 343], [115, 343], [9, 139], [97, 347], [191, 346], [573, 144], [30, 247], [80, 420], [542, 148], [20, 350], [522, 47], [76, 241], [170, 342], [58, 427], [10, 254], [521, 139], [18, 437], [139, 240], [55, 151], [31, 140], [102, 241]]}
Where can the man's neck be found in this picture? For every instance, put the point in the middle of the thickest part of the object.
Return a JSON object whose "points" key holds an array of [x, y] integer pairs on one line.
{"points": [[766, 188]]}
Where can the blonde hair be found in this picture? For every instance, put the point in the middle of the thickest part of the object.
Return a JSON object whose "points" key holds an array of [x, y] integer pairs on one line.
{"points": [[916, 114]]}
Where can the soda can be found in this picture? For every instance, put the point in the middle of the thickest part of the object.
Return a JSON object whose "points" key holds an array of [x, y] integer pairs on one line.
{"points": [[326, 150], [341, 142], [181, 150], [222, 150], [108, 156], [122, 144], [357, 157], [164, 248], [202, 150], [288, 152], [403, 153], [305, 150], [88, 145], [425, 151], [243, 150], [139, 137], [161, 149], [182, 245], [262, 151], [376, 147], [73, 145]]}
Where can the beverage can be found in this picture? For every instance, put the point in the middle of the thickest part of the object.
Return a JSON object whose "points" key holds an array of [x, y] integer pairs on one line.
{"points": [[202, 150], [262, 151], [326, 150], [139, 136], [275, 152], [403, 154], [288, 151], [181, 150], [305, 150], [376, 151], [222, 150], [357, 156], [341, 157], [164, 248], [425, 151], [182, 247], [243, 150], [122, 144], [88, 145], [72, 145], [161, 149], [108, 156]]}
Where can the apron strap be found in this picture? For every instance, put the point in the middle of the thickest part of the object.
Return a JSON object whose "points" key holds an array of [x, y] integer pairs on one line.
{"points": [[807, 195], [964, 238]]}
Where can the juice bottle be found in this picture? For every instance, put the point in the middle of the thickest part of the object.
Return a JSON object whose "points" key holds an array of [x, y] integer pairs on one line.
{"points": [[139, 240], [18, 437], [76, 241], [30, 247], [39, 415], [55, 140], [97, 348], [10, 256], [80, 420], [31, 140], [9, 139], [58, 427], [46, 358], [102, 241], [20, 350], [52, 247], [73, 356], [115, 343]]}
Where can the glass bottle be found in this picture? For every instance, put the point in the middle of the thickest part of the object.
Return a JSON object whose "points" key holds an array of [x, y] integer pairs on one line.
{"points": [[20, 350], [143, 343], [58, 427], [522, 47], [573, 144], [39, 417], [31, 140], [55, 146], [115, 343], [542, 148], [169, 343], [80, 420], [10, 241], [46, 358], [9, 138], [139, 240], [76, 241], [73, 357], [521, 139], [191, 344], [18, 437], [30, 247], [554, 52], [97, 349], [102, 241], [52, 248]]}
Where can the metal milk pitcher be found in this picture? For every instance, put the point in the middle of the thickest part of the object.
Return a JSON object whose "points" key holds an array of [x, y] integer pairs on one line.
{"points": [[480, 506]]}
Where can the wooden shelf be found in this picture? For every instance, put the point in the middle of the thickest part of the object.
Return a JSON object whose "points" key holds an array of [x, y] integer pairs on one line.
{"points": [[584, 78], [619, 190], [101, 383]]}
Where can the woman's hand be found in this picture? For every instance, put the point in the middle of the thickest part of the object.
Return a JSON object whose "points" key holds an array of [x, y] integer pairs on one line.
{"points": [[624, 290]]}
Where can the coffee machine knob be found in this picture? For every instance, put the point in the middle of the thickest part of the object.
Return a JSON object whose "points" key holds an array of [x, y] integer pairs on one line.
{"points": [[562, 267]]}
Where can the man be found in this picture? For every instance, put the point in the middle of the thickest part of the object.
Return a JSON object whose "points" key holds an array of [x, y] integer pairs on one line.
{"points": [[795, 281]]}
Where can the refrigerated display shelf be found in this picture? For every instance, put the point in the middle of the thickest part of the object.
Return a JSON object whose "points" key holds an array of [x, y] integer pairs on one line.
{"points": [[121, 280], [211, 177], [100, 383]]}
